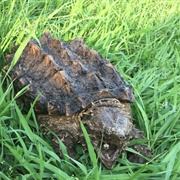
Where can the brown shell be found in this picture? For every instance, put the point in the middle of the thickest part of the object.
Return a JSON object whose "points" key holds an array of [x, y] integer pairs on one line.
{"points": [[69, 76]]}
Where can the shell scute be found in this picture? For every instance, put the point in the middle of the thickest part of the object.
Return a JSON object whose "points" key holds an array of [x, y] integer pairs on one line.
{"points": [[69, 77]]}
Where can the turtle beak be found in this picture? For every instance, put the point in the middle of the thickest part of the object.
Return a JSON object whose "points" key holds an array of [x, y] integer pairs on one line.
{"points": [[109, 155]]}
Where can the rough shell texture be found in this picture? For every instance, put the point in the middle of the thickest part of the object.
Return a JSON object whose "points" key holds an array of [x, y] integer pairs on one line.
{"points": [[69, 76]]}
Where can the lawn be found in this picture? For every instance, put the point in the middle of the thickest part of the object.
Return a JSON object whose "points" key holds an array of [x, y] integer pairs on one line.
{"points": [[142, 39]]}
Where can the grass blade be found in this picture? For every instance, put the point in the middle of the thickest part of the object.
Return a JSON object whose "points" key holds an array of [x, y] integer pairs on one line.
{"points": [[92, 153]]}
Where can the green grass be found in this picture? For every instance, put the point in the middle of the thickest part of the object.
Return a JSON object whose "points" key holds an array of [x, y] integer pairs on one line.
{"points": [[142, 39]]}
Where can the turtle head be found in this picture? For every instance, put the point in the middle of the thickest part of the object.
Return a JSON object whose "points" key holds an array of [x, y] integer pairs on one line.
{"points": [[108, 122]]}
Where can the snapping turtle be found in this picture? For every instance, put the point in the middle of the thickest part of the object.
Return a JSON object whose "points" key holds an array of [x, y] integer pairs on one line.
{"points": [[76, 84]]}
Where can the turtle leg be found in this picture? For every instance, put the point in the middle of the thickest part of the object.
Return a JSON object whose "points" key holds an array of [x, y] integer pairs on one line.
{"points": [[140, 148], [65, 127]]}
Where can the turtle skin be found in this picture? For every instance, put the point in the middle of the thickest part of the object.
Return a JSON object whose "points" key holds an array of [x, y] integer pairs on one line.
{"points": [[75, 84]]}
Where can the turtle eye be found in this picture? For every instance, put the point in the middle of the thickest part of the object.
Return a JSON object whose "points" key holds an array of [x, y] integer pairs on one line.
{"points": [[106, 146]]}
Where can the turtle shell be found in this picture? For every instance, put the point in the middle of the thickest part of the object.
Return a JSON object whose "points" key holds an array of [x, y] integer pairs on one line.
{"points": [[68, 76]]}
